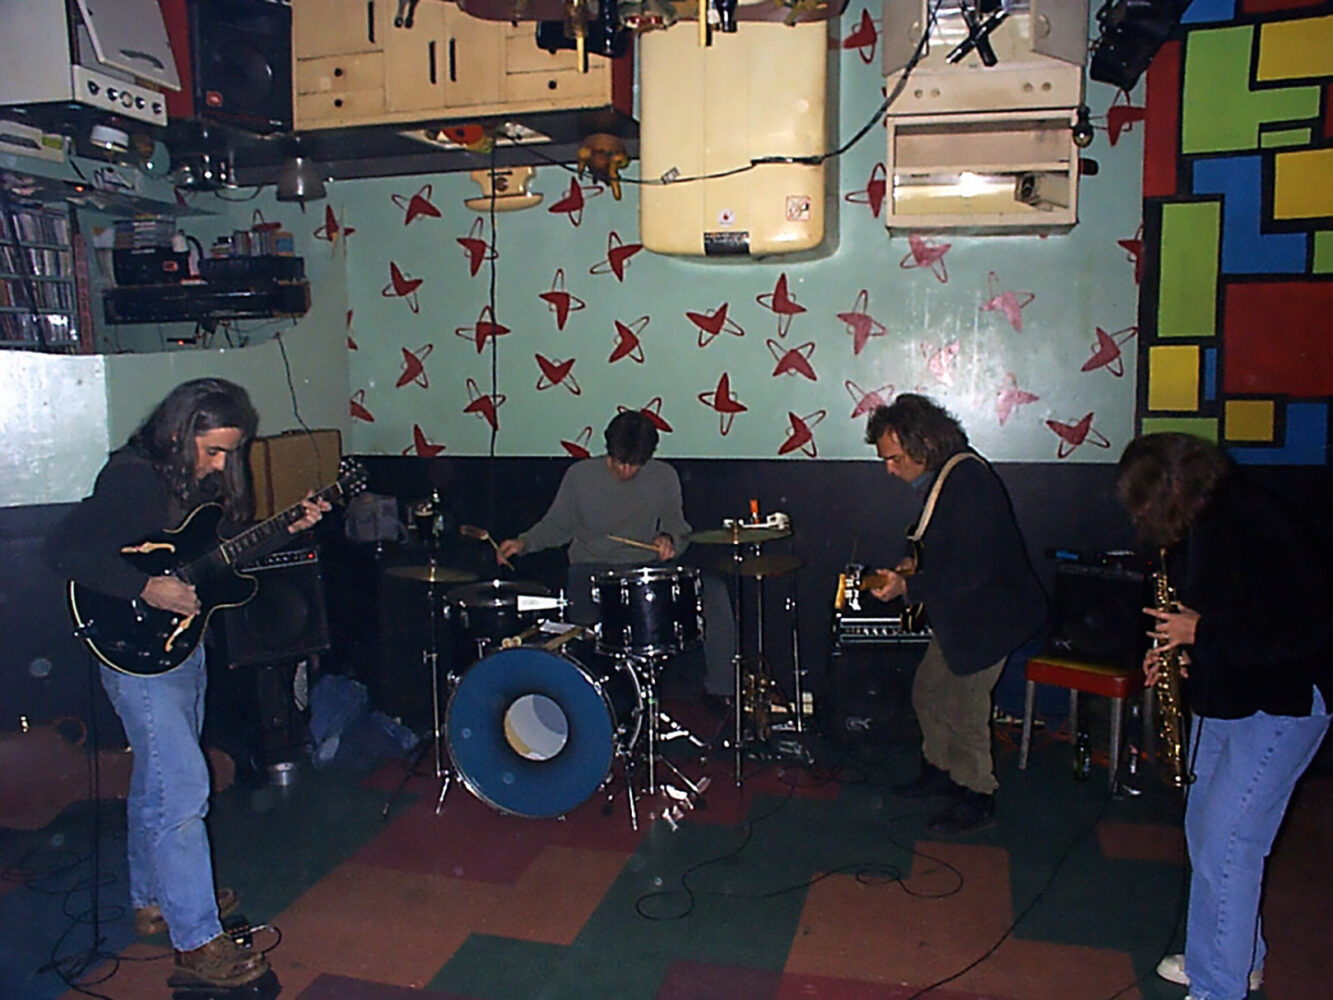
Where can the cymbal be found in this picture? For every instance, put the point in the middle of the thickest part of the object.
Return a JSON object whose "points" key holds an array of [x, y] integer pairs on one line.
{"points": [[431, 574], [744, 535], [495, 593], [759, 565]]}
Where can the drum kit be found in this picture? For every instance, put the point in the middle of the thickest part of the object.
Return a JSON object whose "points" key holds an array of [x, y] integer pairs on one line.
{"points": [[534, 715]]}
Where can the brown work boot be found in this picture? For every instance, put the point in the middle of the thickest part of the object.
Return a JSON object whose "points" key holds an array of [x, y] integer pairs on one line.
{"points": [[148, 919], [221, 962]]}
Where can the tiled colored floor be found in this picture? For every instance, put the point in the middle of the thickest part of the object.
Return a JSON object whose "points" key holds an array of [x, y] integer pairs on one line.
{"points": [[805, 883]]}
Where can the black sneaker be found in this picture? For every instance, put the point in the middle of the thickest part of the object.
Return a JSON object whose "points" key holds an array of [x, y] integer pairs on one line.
{"points": [[973, 811], [931, 781]]}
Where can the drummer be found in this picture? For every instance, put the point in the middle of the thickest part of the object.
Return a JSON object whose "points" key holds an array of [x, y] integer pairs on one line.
{"points": [[625, 494]]}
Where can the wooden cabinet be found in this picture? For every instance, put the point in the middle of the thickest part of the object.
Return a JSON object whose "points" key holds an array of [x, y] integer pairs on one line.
{"points": [[354, 66]]}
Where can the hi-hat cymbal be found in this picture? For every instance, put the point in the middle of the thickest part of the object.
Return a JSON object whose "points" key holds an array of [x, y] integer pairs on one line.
{"points": [[759, 565], [431, 574], [744, 535]]}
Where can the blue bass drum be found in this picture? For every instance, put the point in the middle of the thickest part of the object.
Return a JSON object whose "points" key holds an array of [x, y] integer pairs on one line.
{"points": [[534, 732]]}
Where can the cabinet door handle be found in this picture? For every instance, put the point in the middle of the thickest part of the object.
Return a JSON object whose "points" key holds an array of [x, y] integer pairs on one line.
{"points": [[370, 21], [453, 60], [431, 54]]}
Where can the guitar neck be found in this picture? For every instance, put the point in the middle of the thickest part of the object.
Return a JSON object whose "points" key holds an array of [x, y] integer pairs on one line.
{"points": [[268, 536]]}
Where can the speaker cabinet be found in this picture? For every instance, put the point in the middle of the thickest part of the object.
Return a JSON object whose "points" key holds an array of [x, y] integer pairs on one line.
{"points": [[234, 58], [869, 695], [287, 619], [1098, 615]]}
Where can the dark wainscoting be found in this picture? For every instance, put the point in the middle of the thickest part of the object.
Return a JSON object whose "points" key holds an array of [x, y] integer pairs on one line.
{"points": [[840, 512]]}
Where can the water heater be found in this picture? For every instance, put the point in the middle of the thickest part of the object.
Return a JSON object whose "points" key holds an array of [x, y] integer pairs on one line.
{"points": [[708, 111]]}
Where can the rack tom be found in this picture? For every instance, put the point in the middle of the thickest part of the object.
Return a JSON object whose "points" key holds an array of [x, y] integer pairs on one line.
{"points": [[652, 611]]}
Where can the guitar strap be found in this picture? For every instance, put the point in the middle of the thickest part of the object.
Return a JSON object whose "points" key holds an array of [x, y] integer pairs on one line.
{"points": [[916, 534]]}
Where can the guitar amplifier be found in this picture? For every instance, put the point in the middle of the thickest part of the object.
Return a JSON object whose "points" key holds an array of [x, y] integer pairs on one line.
{"points": [[866, 630], [287, 619], [284, 467]]}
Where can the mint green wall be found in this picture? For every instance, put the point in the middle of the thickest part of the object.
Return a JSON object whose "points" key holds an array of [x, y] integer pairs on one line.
{"points": [[62, 413], [1078, 282], [314, 344]]}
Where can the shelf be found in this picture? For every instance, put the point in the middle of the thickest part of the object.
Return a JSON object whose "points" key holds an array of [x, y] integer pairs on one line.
{"points": [[31, 245], [205, 303]]}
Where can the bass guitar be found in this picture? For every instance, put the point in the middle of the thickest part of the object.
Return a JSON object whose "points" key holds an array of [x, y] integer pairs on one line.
{"points": [[136, 638]]}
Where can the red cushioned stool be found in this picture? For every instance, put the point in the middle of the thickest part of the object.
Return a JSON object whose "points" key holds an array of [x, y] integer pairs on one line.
{"points": [[1116, 683]]}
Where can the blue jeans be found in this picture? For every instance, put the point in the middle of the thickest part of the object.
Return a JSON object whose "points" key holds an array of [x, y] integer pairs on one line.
{"points": [[1245, 772], [169, 860]]}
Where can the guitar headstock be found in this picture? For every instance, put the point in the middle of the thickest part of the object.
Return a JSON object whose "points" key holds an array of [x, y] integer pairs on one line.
{"points": [[352, 477]]}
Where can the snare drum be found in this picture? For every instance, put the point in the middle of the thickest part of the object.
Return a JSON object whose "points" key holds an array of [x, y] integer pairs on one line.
{"points": [[534, 732], [482, 614], [653, 611]]}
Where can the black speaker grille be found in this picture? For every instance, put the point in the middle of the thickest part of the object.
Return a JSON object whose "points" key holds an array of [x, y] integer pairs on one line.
{"points": [[286, 620], [241, 52], [1098, 615]]}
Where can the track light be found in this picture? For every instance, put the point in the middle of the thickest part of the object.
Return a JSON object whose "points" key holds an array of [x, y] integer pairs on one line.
{"points": [[1081, 130]]}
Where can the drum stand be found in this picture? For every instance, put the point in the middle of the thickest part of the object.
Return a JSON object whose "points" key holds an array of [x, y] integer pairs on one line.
{"points": [[662, 728], [444, 773]]}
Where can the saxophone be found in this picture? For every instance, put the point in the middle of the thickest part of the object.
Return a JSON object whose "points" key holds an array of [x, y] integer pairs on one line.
{"points": [[1171, 736]]}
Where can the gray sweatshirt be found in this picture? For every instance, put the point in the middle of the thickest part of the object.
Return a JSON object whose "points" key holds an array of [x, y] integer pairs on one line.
{"points": [[592, 503]]}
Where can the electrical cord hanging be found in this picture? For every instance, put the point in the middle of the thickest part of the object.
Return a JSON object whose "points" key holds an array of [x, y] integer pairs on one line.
{"points": [[815, 160]]}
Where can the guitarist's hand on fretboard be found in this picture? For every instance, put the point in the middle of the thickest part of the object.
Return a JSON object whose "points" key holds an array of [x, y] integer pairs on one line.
{"points": [[315, 508], [167, 593]]}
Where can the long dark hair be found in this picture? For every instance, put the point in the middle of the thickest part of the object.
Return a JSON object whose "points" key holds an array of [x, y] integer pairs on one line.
{"points": [[927, 431], [166, 439], [1165, 479]]}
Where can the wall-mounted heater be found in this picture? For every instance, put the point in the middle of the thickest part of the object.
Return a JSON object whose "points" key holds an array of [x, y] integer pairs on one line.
{"points": [[982, 136], [705, 111]]}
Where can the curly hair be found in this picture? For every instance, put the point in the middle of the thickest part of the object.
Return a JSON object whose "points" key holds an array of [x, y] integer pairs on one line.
{"points": [[927, 431], [1165, 479], [631, 438], [166, 439]]}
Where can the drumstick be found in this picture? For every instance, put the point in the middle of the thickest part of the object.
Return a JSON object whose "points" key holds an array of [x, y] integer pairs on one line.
{"points": [[509, 642], [563, 637], [631, 541], [482, 535]]}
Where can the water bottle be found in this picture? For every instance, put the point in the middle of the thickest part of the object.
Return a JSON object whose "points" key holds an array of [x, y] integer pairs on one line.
{"points": [[1082, 754]]}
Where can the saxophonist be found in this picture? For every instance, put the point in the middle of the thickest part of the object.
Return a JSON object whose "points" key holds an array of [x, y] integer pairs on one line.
{"points": [[1250, 629]]}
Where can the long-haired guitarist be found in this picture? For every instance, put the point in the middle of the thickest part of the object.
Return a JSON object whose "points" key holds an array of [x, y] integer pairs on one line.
{"points": [[191, 450], [970, 570]]}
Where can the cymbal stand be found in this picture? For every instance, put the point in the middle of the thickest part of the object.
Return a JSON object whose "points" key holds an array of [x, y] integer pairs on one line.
{"points": [[797, 708], [738, 662], [443, 772]]}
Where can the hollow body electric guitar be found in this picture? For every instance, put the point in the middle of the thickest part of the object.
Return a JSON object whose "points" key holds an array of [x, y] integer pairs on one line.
{"points": [[135, 638], [855, 579]]}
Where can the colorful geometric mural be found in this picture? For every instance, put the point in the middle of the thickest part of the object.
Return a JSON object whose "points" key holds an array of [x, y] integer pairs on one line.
{"points": [[1237, 293]]}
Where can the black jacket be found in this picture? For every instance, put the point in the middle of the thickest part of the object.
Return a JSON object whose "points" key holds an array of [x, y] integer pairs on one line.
{"points": [[1263, 638], [130, 502], [974, 576]]}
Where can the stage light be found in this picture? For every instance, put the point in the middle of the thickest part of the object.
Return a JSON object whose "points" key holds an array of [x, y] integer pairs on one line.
{"points": [[1132, 32]]}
